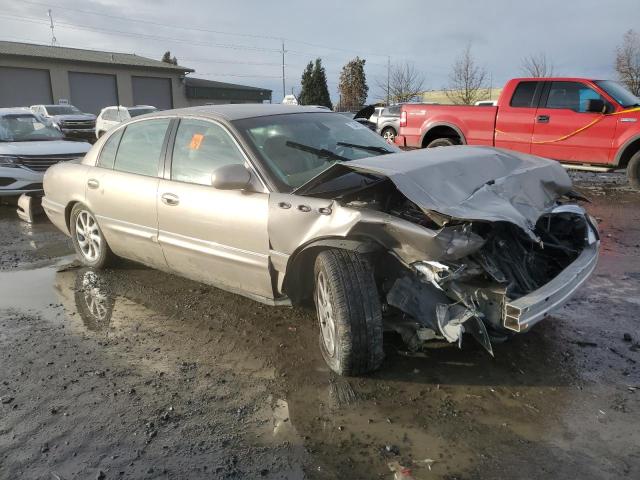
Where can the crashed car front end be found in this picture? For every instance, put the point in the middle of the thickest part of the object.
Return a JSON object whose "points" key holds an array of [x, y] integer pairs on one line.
{"points": [[472, 240]]}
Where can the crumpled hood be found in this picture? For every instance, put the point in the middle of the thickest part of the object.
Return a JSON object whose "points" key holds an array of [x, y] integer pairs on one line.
{"points": [[474, 183]]}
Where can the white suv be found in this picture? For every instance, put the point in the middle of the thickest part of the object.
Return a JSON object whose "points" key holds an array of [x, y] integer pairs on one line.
{"points": [[111, 116]]}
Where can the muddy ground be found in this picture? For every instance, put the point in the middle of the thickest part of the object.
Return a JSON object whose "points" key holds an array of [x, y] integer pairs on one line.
{"points": [[133, 373]]}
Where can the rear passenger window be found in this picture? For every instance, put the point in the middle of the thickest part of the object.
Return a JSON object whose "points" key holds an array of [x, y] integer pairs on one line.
{"points": [[108, 154], [140, 147], [199, 149], [524, 95]]}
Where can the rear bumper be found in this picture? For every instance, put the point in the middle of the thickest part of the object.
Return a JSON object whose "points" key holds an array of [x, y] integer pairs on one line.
{"points": [[400, 140], [521, 314], [56, 213]]}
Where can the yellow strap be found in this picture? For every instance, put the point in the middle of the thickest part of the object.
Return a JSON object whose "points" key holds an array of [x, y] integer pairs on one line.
{"points": [[581, 129]]}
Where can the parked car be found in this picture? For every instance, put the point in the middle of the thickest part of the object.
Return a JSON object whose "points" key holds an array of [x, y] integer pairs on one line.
{"points": [[282, 203], [585, 124], [388, 122], [73, 123], [109, 117], [27, 148]]}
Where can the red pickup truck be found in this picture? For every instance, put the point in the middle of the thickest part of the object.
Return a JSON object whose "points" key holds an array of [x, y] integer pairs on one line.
{"points": [[585, 124]]}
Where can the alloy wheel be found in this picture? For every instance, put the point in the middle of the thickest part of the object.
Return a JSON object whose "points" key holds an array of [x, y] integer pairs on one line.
{"points": [[88, 236], [325, 314]]}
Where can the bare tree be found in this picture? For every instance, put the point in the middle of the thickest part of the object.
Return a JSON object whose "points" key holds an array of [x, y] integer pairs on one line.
{"points": [[537, 65], [467, 80], [405, 83], [628, 61]]}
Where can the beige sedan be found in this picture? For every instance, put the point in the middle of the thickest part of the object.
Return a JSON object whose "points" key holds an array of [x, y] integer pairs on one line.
{"points": [[283, 203]]}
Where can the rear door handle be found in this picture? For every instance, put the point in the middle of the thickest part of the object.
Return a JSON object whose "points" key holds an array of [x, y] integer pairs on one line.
{"points": [[93, 183], [543, 118], [170, 199]]}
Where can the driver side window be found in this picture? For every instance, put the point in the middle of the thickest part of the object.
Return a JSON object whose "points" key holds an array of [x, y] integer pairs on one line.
{"points": [[201, 147]]}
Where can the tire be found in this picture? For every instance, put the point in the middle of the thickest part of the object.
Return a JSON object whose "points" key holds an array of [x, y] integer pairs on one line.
{"points": [[442, 142], [91, 248], [389, 134], [349, 312], [633, 171]]}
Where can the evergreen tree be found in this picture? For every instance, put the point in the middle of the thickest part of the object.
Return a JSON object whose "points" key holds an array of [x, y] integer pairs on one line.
{"points": [[306, 84], [353, 85], [320, 85], [314, 89], [166, 58]]}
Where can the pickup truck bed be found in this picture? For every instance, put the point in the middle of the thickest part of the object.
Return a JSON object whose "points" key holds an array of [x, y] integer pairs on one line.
{"points": [[583, 123]]}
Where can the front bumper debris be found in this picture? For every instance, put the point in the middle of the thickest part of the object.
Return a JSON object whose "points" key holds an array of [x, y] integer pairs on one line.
{"points": [[521, 314]]}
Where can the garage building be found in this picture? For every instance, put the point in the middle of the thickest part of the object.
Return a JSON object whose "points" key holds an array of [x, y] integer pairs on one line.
{"points": [[90, 79]]}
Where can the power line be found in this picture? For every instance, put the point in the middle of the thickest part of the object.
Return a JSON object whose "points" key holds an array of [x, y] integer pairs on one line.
{"points": [[72, 26], [204, 30]]}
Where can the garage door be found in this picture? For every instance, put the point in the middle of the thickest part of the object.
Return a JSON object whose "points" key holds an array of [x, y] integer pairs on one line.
{"points": [[91, 92], [152, 91], [22, 87]]}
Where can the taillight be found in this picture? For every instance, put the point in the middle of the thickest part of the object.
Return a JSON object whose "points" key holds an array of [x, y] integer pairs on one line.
{"points": [[403, 118]]}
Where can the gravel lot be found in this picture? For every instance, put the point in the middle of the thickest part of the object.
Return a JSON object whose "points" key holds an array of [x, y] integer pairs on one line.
{"points": [[134, 373]]}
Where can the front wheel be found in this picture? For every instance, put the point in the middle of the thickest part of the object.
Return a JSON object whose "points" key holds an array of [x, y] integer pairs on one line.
{"points": [[349, 312], [88, 240], [633, 171]]}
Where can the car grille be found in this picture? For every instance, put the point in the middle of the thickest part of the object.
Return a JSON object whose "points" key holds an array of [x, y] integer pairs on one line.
{"points": [[78, 124], [39, 163]]}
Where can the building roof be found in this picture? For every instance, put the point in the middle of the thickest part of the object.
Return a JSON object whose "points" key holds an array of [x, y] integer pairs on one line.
{"points": [[48, 52], [221, 91], [202, 83], [240, 111]]}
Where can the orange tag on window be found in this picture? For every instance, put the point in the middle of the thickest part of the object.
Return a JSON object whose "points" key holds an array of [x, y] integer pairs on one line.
{"points": [[196, 141]]}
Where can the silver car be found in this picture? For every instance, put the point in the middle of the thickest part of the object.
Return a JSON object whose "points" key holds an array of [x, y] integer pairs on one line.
{"points": [[284, 203], [388, 122]]}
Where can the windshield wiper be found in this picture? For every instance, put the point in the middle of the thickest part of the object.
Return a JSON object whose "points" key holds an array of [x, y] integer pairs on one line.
{"points": [[368, 148], [320, 152]]}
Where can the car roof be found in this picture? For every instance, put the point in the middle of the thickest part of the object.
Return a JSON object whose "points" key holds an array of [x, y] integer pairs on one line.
{"points": [[240, 111], [15, 111]]}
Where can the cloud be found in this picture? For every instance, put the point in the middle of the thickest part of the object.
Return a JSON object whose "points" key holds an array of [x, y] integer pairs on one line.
{"points": [[578, 36]]}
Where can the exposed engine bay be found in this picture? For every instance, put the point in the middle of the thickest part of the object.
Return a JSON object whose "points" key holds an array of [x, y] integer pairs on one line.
{"points": [[442, 299]]}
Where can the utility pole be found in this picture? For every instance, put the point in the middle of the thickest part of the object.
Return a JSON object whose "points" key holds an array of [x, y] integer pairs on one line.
{"points": [[54, 40], [388, 77], [284, 90]]}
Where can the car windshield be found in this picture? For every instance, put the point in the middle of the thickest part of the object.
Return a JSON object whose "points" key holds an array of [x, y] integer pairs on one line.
{"points": [[134, 112], [26, 128], [62, 110], [297, 147], [620, 94]]}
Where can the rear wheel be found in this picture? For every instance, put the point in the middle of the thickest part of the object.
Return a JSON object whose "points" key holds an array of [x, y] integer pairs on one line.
{"points": [[633, 170], [88, 241], [442, 142], [389, 134], [349, 312]]}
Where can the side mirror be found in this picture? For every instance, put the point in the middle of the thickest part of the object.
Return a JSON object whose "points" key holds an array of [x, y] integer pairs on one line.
{"points": [[230, 177], [595, 105]]}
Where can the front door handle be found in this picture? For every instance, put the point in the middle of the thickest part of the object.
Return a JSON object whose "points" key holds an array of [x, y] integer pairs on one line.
{"points": [[93, 183], [170, 199], [543, 118]]}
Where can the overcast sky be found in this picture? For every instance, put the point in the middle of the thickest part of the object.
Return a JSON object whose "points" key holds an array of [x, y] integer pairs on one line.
{"points": [[578, 36]]}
